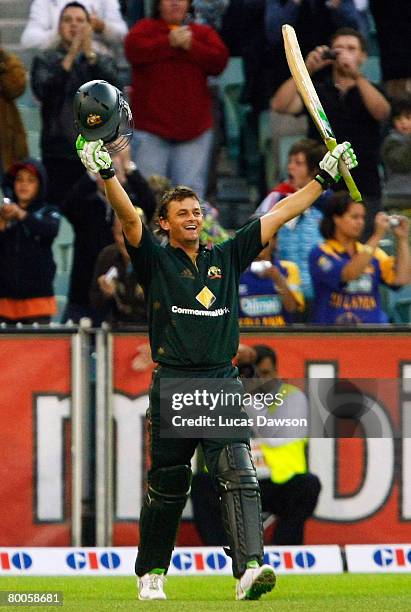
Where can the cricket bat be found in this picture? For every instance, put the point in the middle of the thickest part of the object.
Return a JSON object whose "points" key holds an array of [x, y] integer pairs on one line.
{"points": [[312, 102]]}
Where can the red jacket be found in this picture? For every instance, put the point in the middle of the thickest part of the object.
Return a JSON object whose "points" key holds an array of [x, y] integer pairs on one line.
{"points": [[170, 96]]}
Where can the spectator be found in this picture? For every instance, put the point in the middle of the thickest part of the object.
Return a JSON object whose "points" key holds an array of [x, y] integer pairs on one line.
{"points": [[28, 227], [210, 12], [171, 103], [303, 159], [393, 24], [311, 19], [13, 143], [354, 106], [43, 26], [346, 273], [88, 211], [396, 155], [269, 290], [56, 75], [288, 489], [297, 237], [115, 295]]}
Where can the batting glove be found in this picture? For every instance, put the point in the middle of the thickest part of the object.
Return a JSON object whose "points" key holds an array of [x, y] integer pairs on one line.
{"points": [[329, 164], [95, 157]]}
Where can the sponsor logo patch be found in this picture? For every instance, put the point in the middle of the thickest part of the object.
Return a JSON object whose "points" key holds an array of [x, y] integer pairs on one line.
{"points": [[214, 272], [206, 297], [325, 264], [93, 120]]}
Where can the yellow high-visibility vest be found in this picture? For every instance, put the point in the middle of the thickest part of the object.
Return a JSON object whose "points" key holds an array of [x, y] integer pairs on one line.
{"points": [[288, 459], [285, 461]]}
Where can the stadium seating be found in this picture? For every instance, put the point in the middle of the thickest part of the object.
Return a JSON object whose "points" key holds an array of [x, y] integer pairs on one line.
{"points": [[399, 305]]}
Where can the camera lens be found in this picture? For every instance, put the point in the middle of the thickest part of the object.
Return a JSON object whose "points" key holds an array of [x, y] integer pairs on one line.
{"points": [[329, 54]]}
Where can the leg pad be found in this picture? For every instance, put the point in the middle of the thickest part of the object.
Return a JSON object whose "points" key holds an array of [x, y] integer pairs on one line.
{"points": [[240, 505]]}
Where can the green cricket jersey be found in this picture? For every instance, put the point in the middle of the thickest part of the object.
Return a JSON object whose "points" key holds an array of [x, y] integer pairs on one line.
{"points": [[193, 309]]}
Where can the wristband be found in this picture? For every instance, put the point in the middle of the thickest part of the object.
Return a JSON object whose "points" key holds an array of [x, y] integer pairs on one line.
{"points": [[107, 173], [326, 180]]}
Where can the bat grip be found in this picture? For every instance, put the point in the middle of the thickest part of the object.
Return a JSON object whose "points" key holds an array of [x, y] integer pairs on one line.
{"points": [[345, 173]]}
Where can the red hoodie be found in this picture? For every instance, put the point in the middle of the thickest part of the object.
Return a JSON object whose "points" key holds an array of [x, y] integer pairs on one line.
{"points": [[170, 95]]}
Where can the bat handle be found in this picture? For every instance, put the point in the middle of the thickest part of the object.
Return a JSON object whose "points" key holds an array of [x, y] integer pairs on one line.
{"points": [[345, 173]]}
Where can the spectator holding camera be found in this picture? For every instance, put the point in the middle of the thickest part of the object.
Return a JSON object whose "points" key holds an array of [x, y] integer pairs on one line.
{"points": [[28, 226], [269, 290], [346, 274], [355, 107], [396, 155], [310, 19]]}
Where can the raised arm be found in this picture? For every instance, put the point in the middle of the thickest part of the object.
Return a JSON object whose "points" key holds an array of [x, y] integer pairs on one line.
{"points": [[286, 98], [359, 262], [96, 158], [298, 202], [403, 258]]}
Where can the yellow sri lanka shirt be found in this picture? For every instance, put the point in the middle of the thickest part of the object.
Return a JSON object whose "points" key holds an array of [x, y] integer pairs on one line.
{"points": [[358, 301]]}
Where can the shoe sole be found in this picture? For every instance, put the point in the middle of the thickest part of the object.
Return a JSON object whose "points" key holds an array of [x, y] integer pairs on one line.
{"points": [[263, 584]]}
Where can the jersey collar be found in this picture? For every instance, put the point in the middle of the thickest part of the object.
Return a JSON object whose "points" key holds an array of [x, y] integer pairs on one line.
{"points": [[337, 247]]}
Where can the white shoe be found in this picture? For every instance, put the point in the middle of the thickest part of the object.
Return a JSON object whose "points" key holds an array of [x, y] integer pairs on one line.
{"points": [[255, 582], [150, 586]]}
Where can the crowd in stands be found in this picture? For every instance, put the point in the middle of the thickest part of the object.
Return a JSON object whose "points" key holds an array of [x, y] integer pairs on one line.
{"points": [[324, 267]]}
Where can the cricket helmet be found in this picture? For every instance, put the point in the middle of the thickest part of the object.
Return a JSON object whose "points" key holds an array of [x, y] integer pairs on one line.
{"points": [[101, 112]]}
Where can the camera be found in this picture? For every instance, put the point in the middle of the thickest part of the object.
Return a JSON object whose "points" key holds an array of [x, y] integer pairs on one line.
{"points": [[329, 54], [111, 274], [393, 221], [5, 201], [258, 267]]}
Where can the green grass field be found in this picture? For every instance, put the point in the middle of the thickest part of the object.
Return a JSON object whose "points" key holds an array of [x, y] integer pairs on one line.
{"points": [[356, 592]]}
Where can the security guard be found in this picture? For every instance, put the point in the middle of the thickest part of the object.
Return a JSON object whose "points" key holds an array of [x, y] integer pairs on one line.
{"points": [[289, 490], [193, 325]]}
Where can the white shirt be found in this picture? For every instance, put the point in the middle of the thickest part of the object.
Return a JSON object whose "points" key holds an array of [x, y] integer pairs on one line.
{"points": [[41, 29]]}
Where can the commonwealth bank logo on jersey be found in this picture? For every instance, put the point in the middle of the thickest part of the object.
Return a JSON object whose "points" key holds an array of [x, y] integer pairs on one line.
{"points": [[15, 561], [82, 560], [200, 562]]}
